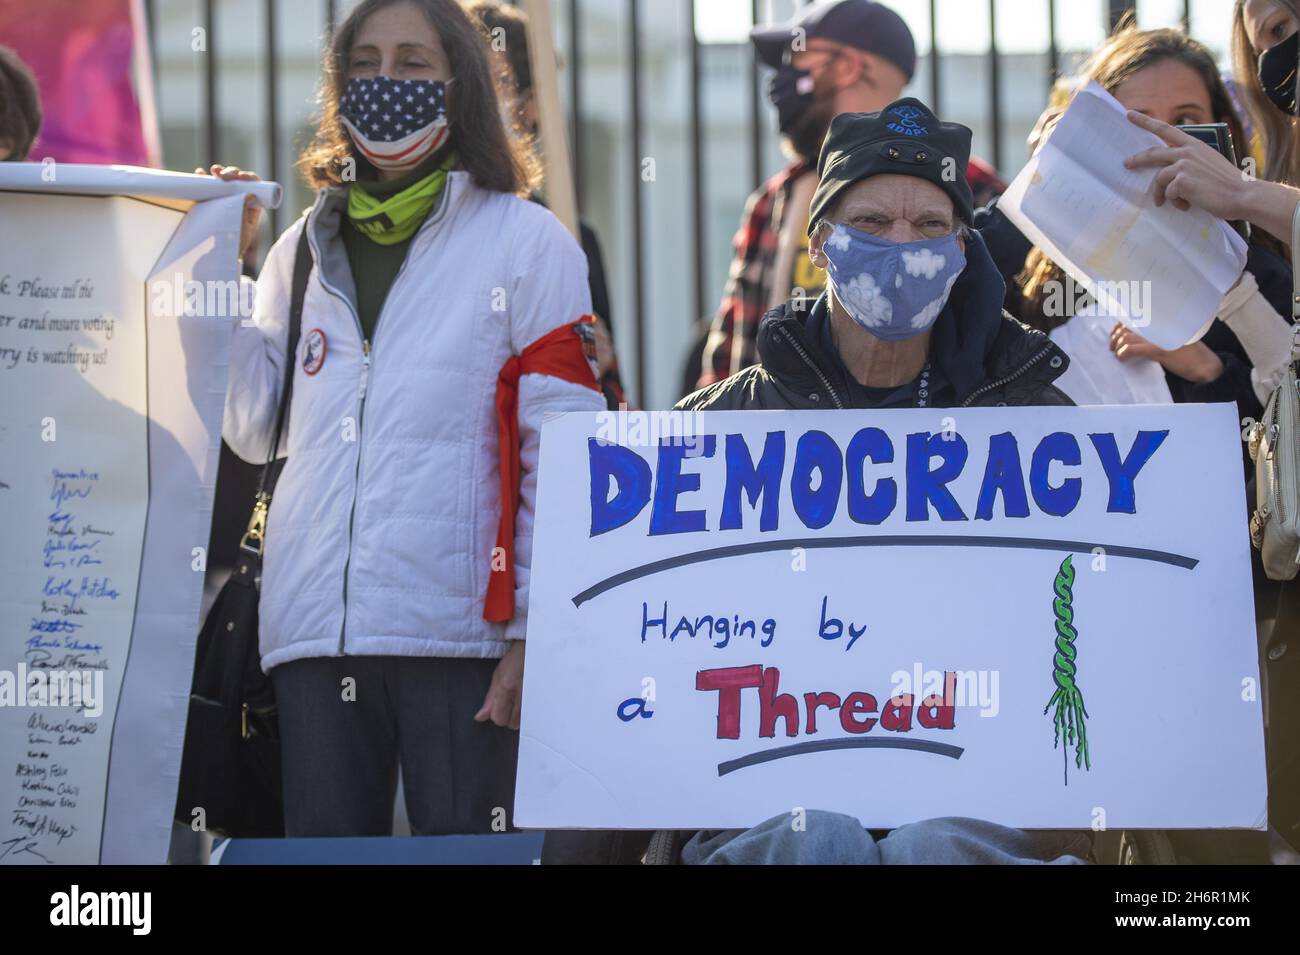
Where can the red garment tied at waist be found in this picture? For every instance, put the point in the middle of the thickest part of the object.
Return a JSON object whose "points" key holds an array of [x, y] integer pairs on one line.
{"points": [[559, 353]]}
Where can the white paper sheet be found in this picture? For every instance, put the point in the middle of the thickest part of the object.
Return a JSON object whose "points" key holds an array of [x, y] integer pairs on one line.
{"points": [[110, 414], [1161, 270], [1095, 376]]}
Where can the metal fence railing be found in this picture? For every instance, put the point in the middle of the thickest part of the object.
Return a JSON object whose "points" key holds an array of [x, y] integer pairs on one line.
{"points": [[670, 238]]}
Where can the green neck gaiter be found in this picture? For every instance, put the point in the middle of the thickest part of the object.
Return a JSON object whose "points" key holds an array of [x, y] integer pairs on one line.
{"points": [[395, 218]]}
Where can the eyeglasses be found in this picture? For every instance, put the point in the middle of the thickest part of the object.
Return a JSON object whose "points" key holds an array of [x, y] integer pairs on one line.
{"points": [[928, 228]]}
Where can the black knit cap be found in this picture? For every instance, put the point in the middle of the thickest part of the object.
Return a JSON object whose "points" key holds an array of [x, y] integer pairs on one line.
{"points": [[905, 138]]}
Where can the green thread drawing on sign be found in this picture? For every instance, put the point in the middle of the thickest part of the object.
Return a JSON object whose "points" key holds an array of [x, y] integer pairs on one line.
{"points": [[1069, 719]]}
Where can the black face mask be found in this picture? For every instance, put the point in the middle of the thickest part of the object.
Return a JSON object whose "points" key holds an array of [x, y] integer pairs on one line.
{"points": [[1277, 68], [791, 92]]}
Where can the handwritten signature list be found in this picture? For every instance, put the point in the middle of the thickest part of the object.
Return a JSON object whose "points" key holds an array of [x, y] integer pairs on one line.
{"points": [[59, 652]]}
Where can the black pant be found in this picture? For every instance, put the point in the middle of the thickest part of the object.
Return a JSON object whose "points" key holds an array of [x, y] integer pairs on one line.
{"points": [[346, 722]]}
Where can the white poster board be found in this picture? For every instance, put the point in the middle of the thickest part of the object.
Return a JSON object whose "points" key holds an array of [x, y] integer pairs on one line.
{"points": [[116, 311], [873, 612]]}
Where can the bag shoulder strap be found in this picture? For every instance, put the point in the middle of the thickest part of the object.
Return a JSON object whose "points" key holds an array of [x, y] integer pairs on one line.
{"points": [[255, 536], [302, 263], [1295, 272], [1295, 285]]}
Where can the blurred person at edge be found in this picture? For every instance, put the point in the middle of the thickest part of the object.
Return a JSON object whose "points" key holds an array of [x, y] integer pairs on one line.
{"points": [[1265, 56], [507, 37], [849, 56], [20, 107], [1166, 75], [397, 557]]}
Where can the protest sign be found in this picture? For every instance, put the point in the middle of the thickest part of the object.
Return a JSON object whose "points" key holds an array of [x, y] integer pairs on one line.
{"points": [[118, 295], [1040, 617]]}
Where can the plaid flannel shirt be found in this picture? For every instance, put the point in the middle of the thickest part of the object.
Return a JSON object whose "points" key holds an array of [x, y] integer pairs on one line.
{"points": [[731, 343]]}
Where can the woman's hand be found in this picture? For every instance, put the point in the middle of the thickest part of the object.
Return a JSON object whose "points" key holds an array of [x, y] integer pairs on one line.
{"points": [[1194, 362], [1192, 173], [1195, 174], [605, 359], [252, 211], [505, 696]]}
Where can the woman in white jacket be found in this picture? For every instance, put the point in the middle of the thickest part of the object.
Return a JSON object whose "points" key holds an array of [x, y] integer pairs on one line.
{"points": [[443, 318]]}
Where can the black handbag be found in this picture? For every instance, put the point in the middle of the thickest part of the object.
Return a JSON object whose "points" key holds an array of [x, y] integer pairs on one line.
{"points": [[230, 765]]}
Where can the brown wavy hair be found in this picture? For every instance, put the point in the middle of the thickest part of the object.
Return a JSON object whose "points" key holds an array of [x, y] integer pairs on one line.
{"points": [[1128, 51], [486, 152]]}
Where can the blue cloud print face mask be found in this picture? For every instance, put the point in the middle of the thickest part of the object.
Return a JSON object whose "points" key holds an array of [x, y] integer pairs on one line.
{"points": [[895, 290]]}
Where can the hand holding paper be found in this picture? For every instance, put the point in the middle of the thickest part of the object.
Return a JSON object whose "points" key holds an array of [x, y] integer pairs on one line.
{"points": [[1157, 268], [1191, 173], [252, 210], [1196, 362]]}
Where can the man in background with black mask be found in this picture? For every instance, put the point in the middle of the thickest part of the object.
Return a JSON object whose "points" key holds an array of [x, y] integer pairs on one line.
{"points": [[843, 56], [849, 56]]}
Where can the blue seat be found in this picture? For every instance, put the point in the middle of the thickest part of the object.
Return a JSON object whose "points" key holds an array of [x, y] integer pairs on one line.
{"points": [[506, 848]]}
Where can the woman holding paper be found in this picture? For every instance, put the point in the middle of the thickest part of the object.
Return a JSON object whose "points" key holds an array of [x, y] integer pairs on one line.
{"points": [[1166, 75], [1265, 50], [443, 318]]}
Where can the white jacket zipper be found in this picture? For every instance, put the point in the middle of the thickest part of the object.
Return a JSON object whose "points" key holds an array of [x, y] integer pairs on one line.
{"points": [[356, 485], [367, 360], [320, 274]]}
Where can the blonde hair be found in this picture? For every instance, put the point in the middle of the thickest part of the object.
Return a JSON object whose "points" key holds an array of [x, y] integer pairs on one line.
{"points": [[1276, 130]]}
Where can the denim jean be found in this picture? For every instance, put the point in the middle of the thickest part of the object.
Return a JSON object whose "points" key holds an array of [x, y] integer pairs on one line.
{"points": [[830, 838]]}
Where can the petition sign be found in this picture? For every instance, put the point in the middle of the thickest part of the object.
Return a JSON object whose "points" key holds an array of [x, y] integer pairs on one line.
{"points": [[119, 290], [1041, 617]]}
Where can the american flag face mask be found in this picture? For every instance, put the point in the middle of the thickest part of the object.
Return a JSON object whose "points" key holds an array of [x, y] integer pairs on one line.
{"points": [[395, 124]]}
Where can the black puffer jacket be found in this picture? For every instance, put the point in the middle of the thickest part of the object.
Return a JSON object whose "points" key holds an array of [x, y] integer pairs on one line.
{"points": [[794, 372], [986, 356]]}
